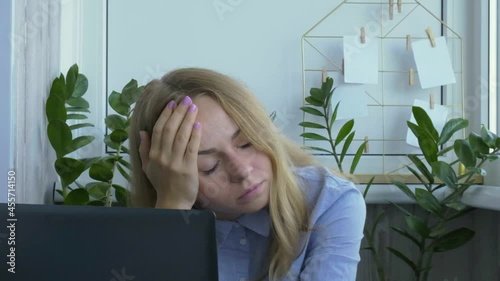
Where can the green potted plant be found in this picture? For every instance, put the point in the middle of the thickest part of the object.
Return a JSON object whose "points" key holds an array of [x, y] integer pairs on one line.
{"points": [[431, 233], [66, 104]]}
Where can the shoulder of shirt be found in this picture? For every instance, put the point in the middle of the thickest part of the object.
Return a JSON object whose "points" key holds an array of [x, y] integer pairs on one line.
{"points": [[322, 188]]}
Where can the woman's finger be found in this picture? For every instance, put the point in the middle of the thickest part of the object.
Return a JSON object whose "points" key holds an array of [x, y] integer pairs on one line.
{"points": [[157, 136], [194, 144], [184, 133]]}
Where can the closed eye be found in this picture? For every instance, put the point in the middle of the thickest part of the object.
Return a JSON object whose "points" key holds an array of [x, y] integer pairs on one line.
{"points": [[211, 171], [246, 145]]}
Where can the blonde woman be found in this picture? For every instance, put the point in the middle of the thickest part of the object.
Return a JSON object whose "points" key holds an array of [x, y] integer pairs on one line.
{"points": [[199, 139]]}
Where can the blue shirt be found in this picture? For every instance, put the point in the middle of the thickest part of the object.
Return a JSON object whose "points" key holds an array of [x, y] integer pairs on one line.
{"points": [[331, 253]]}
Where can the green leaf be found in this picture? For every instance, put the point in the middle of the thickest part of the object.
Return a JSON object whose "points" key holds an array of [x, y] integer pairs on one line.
{"points": [[445, 173], [425, 122], [403, 258], [401, 208], [456, 205], [314, 136], [79, 142], [405, 233], [81, 125], [121, 195], [346, 146], [318, 149], [54, 108], [119, 135], [125, 163], [81, 86], [417, 175], [427, 201], [417, 225], [311, 125], [78, 196], [416, 130], [60, 136], [450, 128], [115, 122], [78, 102], [334, 115], [77, 109], [111, 143], [326, 87], [312, 111], [479, 147], [405, 189], [498, 143], [344, 131], [357, 156], [368, 185], [311, 100], [129, 92], [71, 77], [421, 167], [101, 172], [488, 137], [429, 148], [317, 94], [89, 161], [125, 149], [117, 104], [68, 169], [99, 190], [96, 203], [492, 157], [464, 153], [59, 89], [446, 150], [453, 239], [123, 172], [76, 116]]}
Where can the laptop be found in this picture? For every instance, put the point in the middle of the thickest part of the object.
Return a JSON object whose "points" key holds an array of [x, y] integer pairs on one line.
{"points": [[83, 243]]}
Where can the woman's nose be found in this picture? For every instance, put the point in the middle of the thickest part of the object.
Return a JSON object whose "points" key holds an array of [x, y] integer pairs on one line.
{"points": [[238, 168]]}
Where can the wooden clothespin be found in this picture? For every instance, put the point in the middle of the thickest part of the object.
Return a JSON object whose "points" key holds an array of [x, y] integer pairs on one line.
{"points": [[408, 42], [412, 77], [431, 101], [363, 35], [400, 8], [391, 9], [367, 147], [324, 75], [431, 37]]}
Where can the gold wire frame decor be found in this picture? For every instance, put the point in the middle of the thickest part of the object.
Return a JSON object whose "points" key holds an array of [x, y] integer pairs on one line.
{"points": [[395, 25]]}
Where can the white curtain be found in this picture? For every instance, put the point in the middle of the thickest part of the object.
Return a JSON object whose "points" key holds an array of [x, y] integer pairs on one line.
{"points": [[35, 39]]}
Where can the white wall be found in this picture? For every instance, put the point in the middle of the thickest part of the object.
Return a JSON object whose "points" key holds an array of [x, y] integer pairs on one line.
{"points": [[5, 92]]}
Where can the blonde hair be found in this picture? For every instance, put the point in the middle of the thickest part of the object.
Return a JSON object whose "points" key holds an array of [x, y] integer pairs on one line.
{"points": [[287, 204]]}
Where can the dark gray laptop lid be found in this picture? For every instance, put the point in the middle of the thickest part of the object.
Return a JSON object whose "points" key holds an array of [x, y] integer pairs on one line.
{"points": [[73, 243]]}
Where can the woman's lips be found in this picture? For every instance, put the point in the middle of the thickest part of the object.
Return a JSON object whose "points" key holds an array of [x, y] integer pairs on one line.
{"points": [[252, 192]]}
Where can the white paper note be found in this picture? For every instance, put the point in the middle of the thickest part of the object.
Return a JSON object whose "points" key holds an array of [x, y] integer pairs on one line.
{"points": [[433, 63], [352, 97], [438, 115], [361, 60]]}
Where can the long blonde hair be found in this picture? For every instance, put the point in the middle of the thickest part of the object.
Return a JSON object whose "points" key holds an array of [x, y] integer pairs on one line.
{"points": [[287, 204]]}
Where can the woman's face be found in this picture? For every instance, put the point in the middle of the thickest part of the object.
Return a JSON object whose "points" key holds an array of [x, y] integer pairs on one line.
{"points": [[234, 176]]}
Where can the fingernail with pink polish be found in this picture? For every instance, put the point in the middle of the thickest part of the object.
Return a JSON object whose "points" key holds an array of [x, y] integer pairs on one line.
{"points": [[192, 108], [197, 125], [186, 100], [171, 104]]}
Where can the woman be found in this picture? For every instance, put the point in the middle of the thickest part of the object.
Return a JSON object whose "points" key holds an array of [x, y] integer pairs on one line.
{"points": [[199, 139]]}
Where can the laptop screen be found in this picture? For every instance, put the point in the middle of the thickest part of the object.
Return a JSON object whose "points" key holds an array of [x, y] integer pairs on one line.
{"points": [[73, 243]]}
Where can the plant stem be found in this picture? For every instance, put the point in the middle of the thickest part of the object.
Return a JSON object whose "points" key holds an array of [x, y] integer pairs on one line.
{"points": [[375, 255], [421, 252], [339, 164]]}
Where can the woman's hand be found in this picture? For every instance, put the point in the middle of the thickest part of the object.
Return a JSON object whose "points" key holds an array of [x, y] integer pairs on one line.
{"points": [[169, 158]]}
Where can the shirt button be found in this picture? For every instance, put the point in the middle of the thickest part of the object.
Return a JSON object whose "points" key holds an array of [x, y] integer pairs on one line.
{"points": [[243, 242], [243, 279]]}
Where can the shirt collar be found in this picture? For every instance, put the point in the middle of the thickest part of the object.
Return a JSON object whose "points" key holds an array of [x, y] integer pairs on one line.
{"points": [[259, 222]]}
